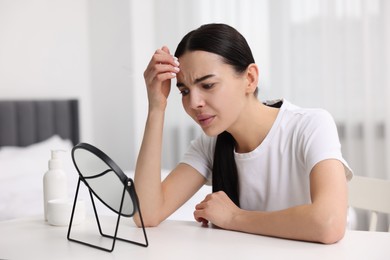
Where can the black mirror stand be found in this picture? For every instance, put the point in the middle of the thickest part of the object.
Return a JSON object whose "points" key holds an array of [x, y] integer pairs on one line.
{"points": [[114, 237]]}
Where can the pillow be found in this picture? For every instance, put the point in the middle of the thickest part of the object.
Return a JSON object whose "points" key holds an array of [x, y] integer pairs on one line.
{"points": [[21, 176]]}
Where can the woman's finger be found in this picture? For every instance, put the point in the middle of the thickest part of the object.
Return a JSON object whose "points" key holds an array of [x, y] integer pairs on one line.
{"points": [[161, 56]]}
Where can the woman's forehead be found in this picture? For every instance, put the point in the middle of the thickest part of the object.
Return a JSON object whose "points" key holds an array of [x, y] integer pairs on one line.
{"points": [[197, 64]]}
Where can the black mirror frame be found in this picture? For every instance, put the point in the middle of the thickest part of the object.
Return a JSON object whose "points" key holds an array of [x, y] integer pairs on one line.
{"points": [[128, 186]]}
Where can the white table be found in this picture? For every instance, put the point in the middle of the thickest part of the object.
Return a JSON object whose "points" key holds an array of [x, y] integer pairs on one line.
{"points": [[32, 238]]}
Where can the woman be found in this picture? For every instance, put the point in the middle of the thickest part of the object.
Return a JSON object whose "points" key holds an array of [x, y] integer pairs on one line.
{"points": [[276, 169]]}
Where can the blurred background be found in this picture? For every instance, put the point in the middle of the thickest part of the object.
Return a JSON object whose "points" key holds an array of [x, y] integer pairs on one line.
{"points": [[333, 54]]}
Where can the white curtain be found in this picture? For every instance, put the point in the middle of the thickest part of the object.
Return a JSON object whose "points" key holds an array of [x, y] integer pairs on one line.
{"points": [[333, 54]]}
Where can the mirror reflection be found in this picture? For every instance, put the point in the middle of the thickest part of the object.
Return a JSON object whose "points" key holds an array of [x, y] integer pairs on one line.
{"points": [[104, 178]]}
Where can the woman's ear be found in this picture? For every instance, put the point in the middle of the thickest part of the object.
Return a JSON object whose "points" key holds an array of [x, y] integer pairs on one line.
{"points": [[252, 75]]}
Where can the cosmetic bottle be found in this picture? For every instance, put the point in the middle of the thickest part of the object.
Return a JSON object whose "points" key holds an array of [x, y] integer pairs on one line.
{"points": [[54, 181]]}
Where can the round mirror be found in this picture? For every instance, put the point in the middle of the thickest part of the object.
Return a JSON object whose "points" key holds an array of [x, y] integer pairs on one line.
{"points": [[104, 179]]}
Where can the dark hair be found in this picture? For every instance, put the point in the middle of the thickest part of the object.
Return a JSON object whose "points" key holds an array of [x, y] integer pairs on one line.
{"points": [[227, 42]]}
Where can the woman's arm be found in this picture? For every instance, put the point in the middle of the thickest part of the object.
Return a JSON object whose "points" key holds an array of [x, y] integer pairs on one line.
{"points": [[323, 220], [157, 200]]}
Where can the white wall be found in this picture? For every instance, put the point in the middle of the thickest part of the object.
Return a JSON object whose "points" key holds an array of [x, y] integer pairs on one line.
{"points": [[94, 51], [111, 78], [121, 44], [44, 52], [142, 20]]}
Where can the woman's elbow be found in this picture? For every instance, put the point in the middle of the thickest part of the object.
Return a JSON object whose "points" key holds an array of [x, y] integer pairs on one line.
{"points": [[331, 231], [146, 221], [332, 236]]}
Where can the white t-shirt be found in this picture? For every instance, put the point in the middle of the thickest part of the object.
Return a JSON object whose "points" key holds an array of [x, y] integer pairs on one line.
{"points": [[275, 175]]}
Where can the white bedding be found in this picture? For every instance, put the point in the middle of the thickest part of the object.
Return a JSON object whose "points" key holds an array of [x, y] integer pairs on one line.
{"points": [[21, 176], [21, 181]]}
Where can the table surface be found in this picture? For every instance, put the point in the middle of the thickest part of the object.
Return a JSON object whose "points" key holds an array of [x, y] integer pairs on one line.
{"points": [[33, 238]]}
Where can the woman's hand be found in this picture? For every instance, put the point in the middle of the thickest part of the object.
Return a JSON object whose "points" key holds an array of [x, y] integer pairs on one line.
{"points": [[158, 74], [218, 209]]}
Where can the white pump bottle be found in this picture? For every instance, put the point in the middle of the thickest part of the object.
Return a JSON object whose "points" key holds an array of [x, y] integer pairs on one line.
{"points": [[55, 185]]}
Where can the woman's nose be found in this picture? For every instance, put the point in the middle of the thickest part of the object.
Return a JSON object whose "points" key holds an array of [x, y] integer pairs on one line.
{"points": [[196, 100]]}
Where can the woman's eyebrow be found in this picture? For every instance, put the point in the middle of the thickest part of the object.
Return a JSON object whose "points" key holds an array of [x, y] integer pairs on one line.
{"points": [[196, 81]]}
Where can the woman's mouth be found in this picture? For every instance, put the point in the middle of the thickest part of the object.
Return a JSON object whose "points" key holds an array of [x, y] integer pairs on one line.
{"points": [[205, 120]]}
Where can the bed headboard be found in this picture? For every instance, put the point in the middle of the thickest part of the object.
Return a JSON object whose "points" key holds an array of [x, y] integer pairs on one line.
{"points": [[24, 122]]}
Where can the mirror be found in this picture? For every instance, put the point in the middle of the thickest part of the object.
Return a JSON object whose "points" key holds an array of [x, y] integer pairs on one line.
{"points": [[104, 179], [107, 182]]}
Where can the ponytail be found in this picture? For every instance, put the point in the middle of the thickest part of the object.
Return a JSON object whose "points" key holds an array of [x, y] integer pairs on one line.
{"points": [[225, 177]]}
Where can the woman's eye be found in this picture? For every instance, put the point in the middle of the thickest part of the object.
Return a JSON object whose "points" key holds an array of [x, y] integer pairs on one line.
{"points": [[184, 91], [207, 86]]}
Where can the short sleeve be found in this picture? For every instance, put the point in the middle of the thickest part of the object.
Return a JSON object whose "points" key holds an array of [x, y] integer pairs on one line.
{"points": [[200, 156], [321, 140]]}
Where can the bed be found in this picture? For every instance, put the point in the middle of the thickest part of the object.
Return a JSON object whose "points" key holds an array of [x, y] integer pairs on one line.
{"points": [[29, 129], [25, 122]]}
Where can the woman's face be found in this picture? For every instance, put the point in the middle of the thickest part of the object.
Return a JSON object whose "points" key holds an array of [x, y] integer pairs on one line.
{"points": [[213, 93]]}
